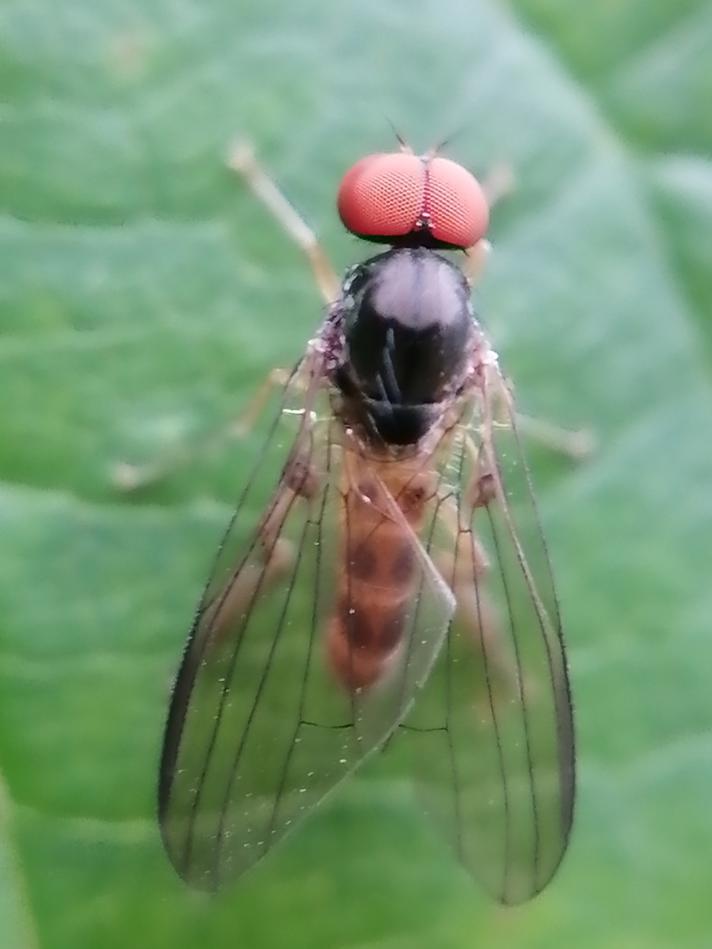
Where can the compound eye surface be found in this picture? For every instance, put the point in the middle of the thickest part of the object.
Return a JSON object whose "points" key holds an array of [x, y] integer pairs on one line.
{"points": [[456, 205], [382, 195]]}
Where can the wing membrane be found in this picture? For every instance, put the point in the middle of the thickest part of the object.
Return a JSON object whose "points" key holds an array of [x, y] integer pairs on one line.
{"points": [[495, 723], [262, 724]]}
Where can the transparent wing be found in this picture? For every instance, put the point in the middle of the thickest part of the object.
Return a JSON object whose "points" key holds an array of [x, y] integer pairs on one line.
{"points": [[494, 726], [289, 679]]}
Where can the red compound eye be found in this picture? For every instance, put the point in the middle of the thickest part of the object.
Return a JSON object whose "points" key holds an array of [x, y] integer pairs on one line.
{"points": [[392, 196], [382, 195], [456, 204]]}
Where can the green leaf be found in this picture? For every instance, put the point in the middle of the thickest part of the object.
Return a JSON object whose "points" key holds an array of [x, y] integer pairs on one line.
{"points": [[143, 294], [18, 928]]}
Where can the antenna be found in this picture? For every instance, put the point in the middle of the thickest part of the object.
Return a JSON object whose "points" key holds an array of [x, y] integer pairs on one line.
{"points": [[404, 146], [447, 140]]}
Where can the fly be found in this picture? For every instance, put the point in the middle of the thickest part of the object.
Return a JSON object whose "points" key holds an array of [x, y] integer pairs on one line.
{"points": [[390, 583]]}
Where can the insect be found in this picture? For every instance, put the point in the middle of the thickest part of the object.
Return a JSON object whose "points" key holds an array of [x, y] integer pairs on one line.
{"points": [[384, 579]]}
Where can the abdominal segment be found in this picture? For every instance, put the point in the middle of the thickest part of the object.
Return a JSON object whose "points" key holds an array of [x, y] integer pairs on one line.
{"points": [[377, 582]]}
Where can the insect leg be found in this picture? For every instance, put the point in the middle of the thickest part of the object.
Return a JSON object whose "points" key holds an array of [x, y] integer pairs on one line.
{"points": [[464, 566], [242, 160], [497, 185], [273, 556], [577, 444], [475, 260], [127, 477]]}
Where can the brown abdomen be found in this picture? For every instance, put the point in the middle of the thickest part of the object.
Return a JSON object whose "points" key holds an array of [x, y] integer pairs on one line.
{"points": [[380, 571]]}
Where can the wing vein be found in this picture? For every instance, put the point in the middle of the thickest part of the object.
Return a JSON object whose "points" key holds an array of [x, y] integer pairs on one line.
{"points": [[316, 599], [253, 710], [239, 638], [521, 693]]}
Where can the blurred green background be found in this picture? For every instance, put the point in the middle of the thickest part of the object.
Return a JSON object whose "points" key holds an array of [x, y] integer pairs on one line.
{"points": [[143, 294]]}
